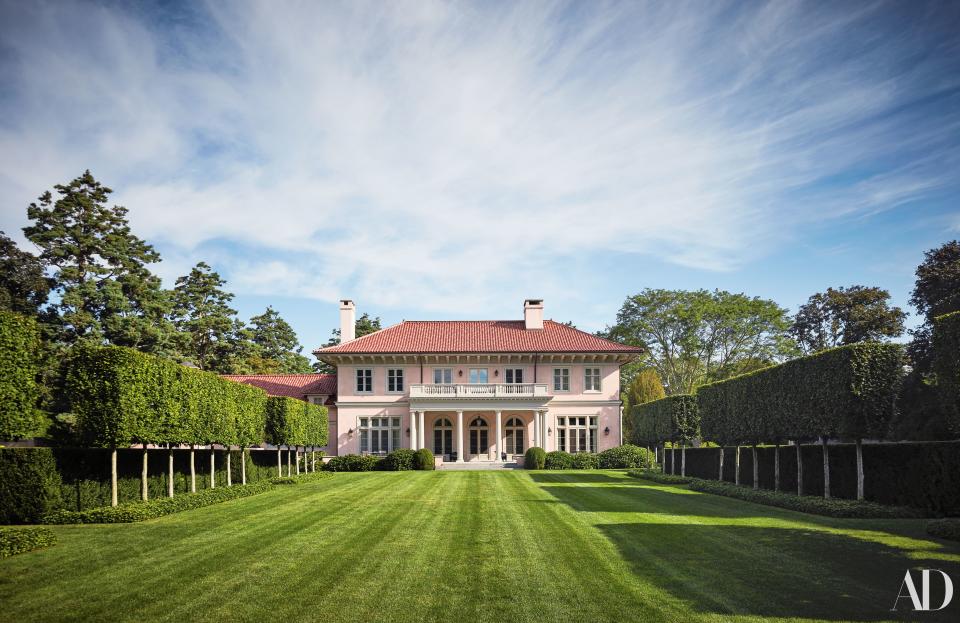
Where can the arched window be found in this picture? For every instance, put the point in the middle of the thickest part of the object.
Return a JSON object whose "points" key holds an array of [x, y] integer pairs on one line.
{"points": [[514, 432], [442, 437], [479, 438]]}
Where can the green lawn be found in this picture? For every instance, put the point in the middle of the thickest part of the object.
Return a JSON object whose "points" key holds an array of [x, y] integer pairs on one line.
{"points": [[476, 546]]}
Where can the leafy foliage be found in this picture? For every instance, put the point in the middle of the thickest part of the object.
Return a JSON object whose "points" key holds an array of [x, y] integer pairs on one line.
{"points": [[558, 459], [24, 285], [20, 365], [645, 386], [29, 484], [399, 460], [534, 458], [948, 528], [275, 340], [19, 540], [936, 292], [698, 336], [625, 456], [585, 460], [292, 422], [352, 463], [848, 392], [655, 475], [674, 418], [946, 366], [204, 319], [423, 460], [846, 316]]}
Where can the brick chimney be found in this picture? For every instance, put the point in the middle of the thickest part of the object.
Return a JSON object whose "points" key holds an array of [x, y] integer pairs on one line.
{"points": [[533, 313], [348, 321]]}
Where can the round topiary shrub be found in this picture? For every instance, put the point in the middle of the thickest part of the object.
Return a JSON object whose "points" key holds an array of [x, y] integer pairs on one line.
{"points": [[398, 461], [625, 456], [534, 458], [558, 459], [423, 460], [584, 460]]}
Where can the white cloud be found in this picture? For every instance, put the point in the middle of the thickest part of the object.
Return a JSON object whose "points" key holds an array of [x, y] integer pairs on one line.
{"points": [[454, 155]]}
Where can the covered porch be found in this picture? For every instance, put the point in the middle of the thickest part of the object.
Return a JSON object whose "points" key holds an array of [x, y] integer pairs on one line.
{"points": [[475, 434]]}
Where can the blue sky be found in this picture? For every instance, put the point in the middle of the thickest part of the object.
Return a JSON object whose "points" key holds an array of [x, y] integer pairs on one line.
{"points": [[447, 160]]}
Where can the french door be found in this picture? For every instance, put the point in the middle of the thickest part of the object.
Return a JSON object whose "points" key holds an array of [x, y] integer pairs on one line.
{"points": [[479, 439]]}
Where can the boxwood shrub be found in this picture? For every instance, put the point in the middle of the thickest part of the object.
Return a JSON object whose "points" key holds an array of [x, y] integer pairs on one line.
{"points": [[534, 458], [830, 507], [625, 456], [423, 460], [400, 460], [300, 478], [558, 459], [18, 540], [658, 476], [353, 463], [945, 528], [20, 362], [585, 460]]}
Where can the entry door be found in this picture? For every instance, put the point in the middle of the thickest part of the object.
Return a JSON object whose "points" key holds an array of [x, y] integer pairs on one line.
{"points": [[479, 444]]}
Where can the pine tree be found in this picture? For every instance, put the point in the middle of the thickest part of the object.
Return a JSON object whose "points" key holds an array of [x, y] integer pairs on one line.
{"points": [[276, 341], [203, 318]]}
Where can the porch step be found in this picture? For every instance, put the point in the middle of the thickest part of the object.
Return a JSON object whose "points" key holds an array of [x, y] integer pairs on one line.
{"points": [[478, 465]]}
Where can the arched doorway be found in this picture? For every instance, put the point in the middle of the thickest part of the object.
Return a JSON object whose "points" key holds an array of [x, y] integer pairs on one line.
{"points": [[479, 439], [443, 437], [514, 432]]}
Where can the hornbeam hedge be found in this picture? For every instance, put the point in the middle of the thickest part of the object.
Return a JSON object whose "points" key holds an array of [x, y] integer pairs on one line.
{"points": [[121, 396], [674, 418], [292, 422], [847, 392], [946, 364], [20, 360]]}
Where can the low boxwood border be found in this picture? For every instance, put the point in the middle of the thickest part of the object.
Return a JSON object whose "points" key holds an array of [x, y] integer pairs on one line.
{"points": [[831, 507], [19, 540], [129, 513], [948, 528], [659, 477]]}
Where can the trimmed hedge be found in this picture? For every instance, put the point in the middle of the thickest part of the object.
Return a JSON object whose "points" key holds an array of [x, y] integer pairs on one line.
{"points": [[21, 354], [352, 463], [19, 540], [292, 422], [300, 478], [946, 365], [423, 460], [674, 418], [945, 528], [129, 513], [29, 485], [534, 458], [806, 503], [658, 476], [558, 459], [924, 475], [846, 392], [585, 460], [400, 460], [625, 456]]}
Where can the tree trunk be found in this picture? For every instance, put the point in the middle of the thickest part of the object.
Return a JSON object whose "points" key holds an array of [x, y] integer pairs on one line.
{"points": [[673, 460], [229, 477], [213, 468], [288, 462], [683, 459], [279, 463], [736, 466], [799, 469], [656, 454], [776, 467], [243, 466], [313, 460], [144, 489], [193, 472], [169, 471], [720, 477], [756, 469], [296, 453], [113, 478], [826, 468], [859, 469]]}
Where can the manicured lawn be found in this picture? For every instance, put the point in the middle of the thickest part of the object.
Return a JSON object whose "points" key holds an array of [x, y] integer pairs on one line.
{"points": [[476, 546]]}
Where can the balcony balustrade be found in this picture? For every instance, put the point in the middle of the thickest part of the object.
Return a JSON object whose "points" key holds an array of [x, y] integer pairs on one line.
{"points": [[479, 390]]}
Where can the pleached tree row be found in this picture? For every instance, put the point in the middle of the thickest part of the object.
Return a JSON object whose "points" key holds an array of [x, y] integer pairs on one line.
{"points": [[297, 424], [846, 393], [675, 419], [122, 397]]}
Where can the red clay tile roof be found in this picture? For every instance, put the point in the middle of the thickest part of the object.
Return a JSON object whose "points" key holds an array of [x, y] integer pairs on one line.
{"points": [[291, 385], [478, 336]]}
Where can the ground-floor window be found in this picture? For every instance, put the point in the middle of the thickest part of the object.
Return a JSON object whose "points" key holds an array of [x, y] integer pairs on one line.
{"points": [[442, 437], [514, 434], [577, 434], [379, 435]]}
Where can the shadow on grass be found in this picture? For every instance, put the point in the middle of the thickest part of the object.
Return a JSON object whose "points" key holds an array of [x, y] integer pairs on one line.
{"points": [[642, 498], [585, 477], [774, 572]]}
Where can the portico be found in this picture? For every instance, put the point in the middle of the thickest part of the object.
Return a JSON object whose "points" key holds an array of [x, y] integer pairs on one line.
{"points": [[478, 432]]}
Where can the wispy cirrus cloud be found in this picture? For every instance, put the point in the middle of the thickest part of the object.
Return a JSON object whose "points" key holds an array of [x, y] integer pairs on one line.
{"points": [[461, 154]]}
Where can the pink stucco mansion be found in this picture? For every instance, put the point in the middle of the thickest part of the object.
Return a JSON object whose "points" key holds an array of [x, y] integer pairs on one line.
{"points": [[480, 390]]}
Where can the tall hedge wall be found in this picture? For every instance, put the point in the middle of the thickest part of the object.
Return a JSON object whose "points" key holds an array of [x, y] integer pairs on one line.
{"points": [[847, 392], [20, 361], [946, 364], [674, 418], [122, 396], [292, 422]]}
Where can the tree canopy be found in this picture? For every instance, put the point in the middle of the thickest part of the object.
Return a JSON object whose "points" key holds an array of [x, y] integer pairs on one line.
{"points": [[203, 317], [846, 316]]}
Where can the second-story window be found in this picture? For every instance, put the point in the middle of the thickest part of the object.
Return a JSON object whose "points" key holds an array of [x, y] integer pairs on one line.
{"points": [[513, 375], [478, 375], [395, 380], [364, 381], [561, 379], [591, 379], [443, 376]]}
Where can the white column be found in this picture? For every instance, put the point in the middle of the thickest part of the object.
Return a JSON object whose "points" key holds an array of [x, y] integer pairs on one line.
{"points": [[536, 427], [413, 431], [459, 436], [499, 438], [421, 432], [543, 429]]}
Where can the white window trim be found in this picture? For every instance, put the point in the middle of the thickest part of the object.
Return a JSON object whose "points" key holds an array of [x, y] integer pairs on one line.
{"points": [[470, 376], [441, 370], [599, 382], [403, 381], [356, 383], [553, 380], [514, 370]]}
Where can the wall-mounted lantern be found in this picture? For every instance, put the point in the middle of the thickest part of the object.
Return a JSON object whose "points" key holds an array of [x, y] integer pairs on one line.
{"points": [[606, 431]]}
